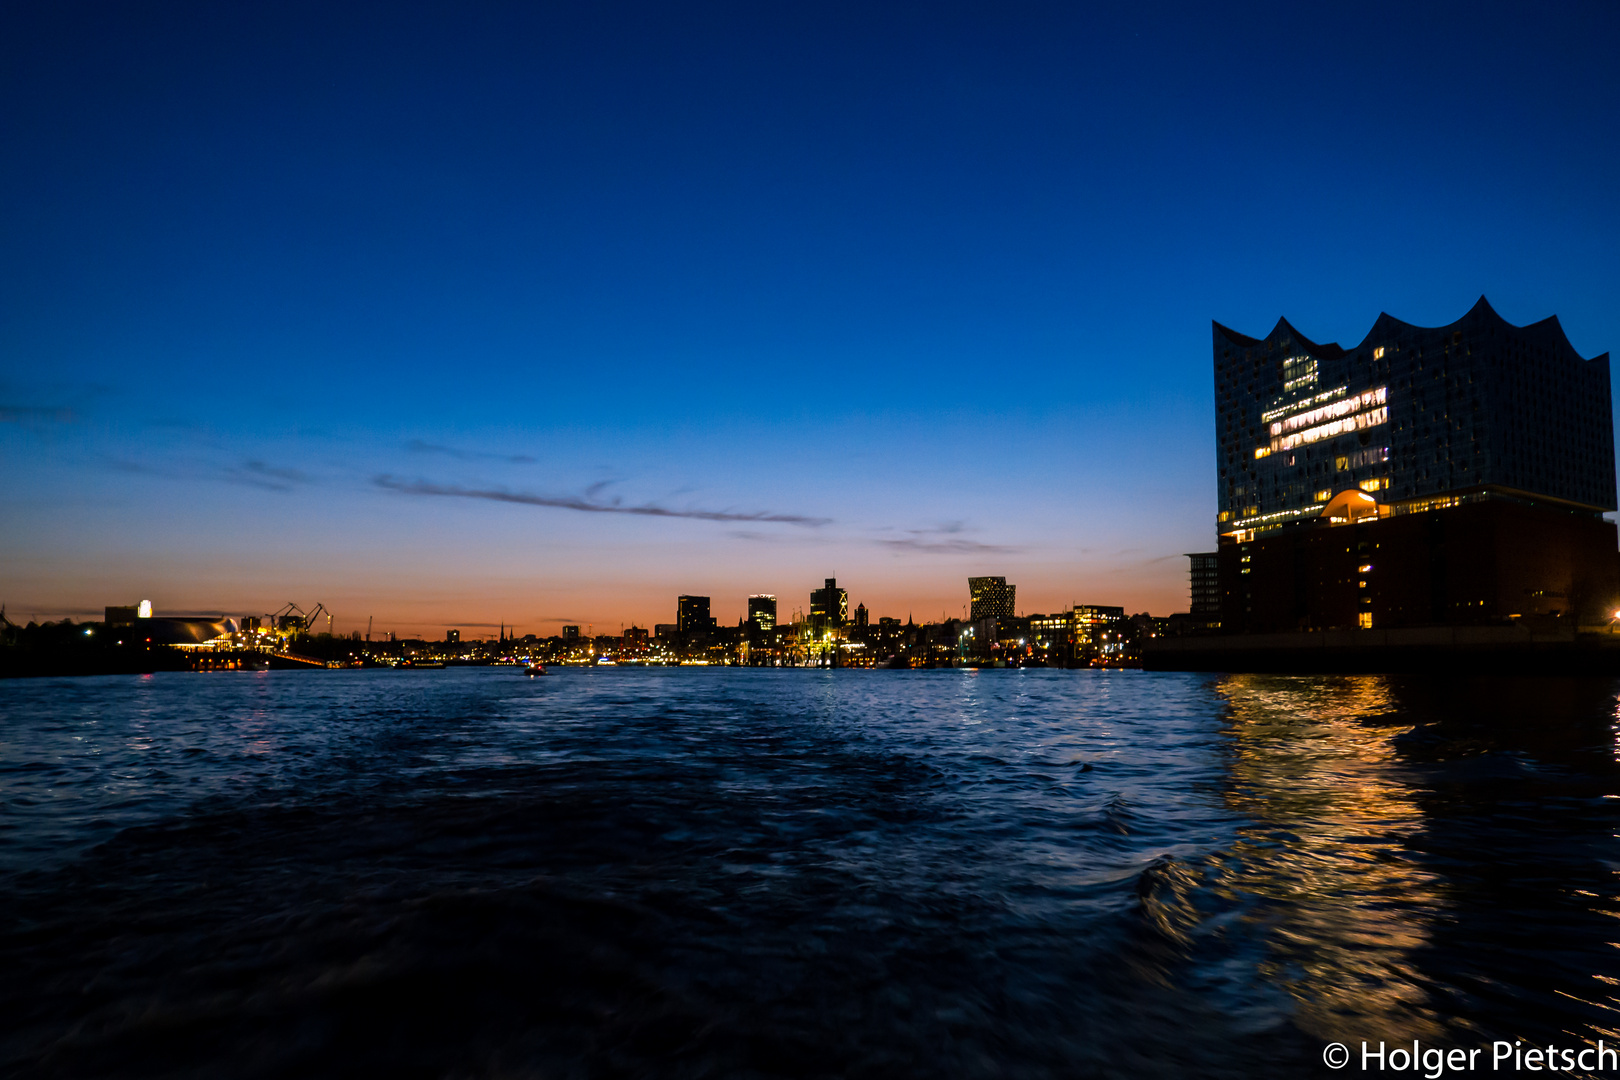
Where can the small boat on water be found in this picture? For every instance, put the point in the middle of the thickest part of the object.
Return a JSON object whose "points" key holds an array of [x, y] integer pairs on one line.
{"points": [[534, 669]]}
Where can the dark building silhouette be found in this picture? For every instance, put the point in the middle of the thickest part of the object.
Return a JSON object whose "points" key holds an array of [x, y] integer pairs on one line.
{"points": [[762, 611], [991, 598], [692, 614], [452, 637], [570, 633], [830, 604], [862, 616], [1427, 476]]}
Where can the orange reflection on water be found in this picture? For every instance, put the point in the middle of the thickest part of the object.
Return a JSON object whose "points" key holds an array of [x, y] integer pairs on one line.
{"points": [[1342, 905]]}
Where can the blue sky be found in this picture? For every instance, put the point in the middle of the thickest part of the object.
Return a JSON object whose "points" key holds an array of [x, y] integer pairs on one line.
{"points": [[548, 313]]}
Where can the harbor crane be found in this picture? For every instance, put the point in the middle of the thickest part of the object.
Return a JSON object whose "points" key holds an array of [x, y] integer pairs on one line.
{"points": [[290, 619]]}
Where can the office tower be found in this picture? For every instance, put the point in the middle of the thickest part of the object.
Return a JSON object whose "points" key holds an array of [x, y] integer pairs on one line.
{"points": [[992, 598], [762, 610], [570, 633], [452, 637], [830, 604], [1470, 464], [862, 616], [692, 614]]}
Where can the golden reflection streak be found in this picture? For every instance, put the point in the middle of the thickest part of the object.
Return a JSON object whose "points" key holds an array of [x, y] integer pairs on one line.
{"points": [[1343, 906]]}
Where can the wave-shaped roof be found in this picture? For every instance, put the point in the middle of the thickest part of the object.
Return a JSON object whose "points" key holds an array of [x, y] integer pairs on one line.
{"points": [[1548, 332]]}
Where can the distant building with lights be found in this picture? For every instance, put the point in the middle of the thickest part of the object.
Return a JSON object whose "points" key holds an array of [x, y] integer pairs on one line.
{"points": [[762, 611], [990, 598], [692, 614], [1424, 477], [829, 605]]}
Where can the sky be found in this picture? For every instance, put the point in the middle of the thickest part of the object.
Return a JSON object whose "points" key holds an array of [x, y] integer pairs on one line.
{"points": [[456, 315]]}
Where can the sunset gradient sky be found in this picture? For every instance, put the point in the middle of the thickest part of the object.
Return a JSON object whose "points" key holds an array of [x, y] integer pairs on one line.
{"points": [[540, 313]]}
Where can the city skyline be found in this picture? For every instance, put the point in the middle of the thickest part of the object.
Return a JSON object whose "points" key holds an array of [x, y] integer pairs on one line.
{"points": [[545, 317], [791, 611]]}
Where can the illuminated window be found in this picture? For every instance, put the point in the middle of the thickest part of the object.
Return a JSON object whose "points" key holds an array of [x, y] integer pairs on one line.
{"points": [[1364, 567], [1261, 452], [1224, 516], [1364, 620], [1341, 463], [1361, 584], [1324, 495], [1378, 353], [1298, 371], [1377, 484]]}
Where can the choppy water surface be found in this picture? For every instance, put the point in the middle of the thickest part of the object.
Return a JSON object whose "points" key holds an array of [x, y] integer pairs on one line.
{"points": [[764, 873]]}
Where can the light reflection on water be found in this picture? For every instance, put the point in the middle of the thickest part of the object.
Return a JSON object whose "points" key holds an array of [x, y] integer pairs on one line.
{"points": [[951, 873], [1339, 902]]}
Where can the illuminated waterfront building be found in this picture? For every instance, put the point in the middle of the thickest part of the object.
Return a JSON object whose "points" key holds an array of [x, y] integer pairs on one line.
{"points": [[1469, 465], [762, 611], [991, 598], [829, 605], [1098, 628]]}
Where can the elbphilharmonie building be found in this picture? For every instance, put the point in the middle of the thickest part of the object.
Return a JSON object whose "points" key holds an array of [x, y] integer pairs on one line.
{"points": [[1471, 463]]}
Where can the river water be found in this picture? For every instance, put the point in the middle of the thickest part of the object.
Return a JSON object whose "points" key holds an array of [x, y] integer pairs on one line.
{"points": [[684, 872]]}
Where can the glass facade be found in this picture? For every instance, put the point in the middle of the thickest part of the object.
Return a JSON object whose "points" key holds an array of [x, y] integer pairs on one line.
{"points": [[991, 598], [1413, 416]]}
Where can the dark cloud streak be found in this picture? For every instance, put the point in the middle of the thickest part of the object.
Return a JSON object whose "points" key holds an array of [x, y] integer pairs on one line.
{"points": [[270, 478], [417, 446], [946, 547], [575, 502], [923, 541]]}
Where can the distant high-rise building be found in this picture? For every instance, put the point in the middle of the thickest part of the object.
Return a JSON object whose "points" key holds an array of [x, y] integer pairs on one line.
{"points": [[762, 610], [570, 633], [1469, 466], [862, 617], [830, 604], [692, 614], [992, 598], [452, 637]]}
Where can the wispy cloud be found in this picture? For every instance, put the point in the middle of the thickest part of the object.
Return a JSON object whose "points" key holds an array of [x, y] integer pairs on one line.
{"points": [[756, 536], [417, 446], [942, 540], [269, 477], [587, 505], [252, 473]]}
